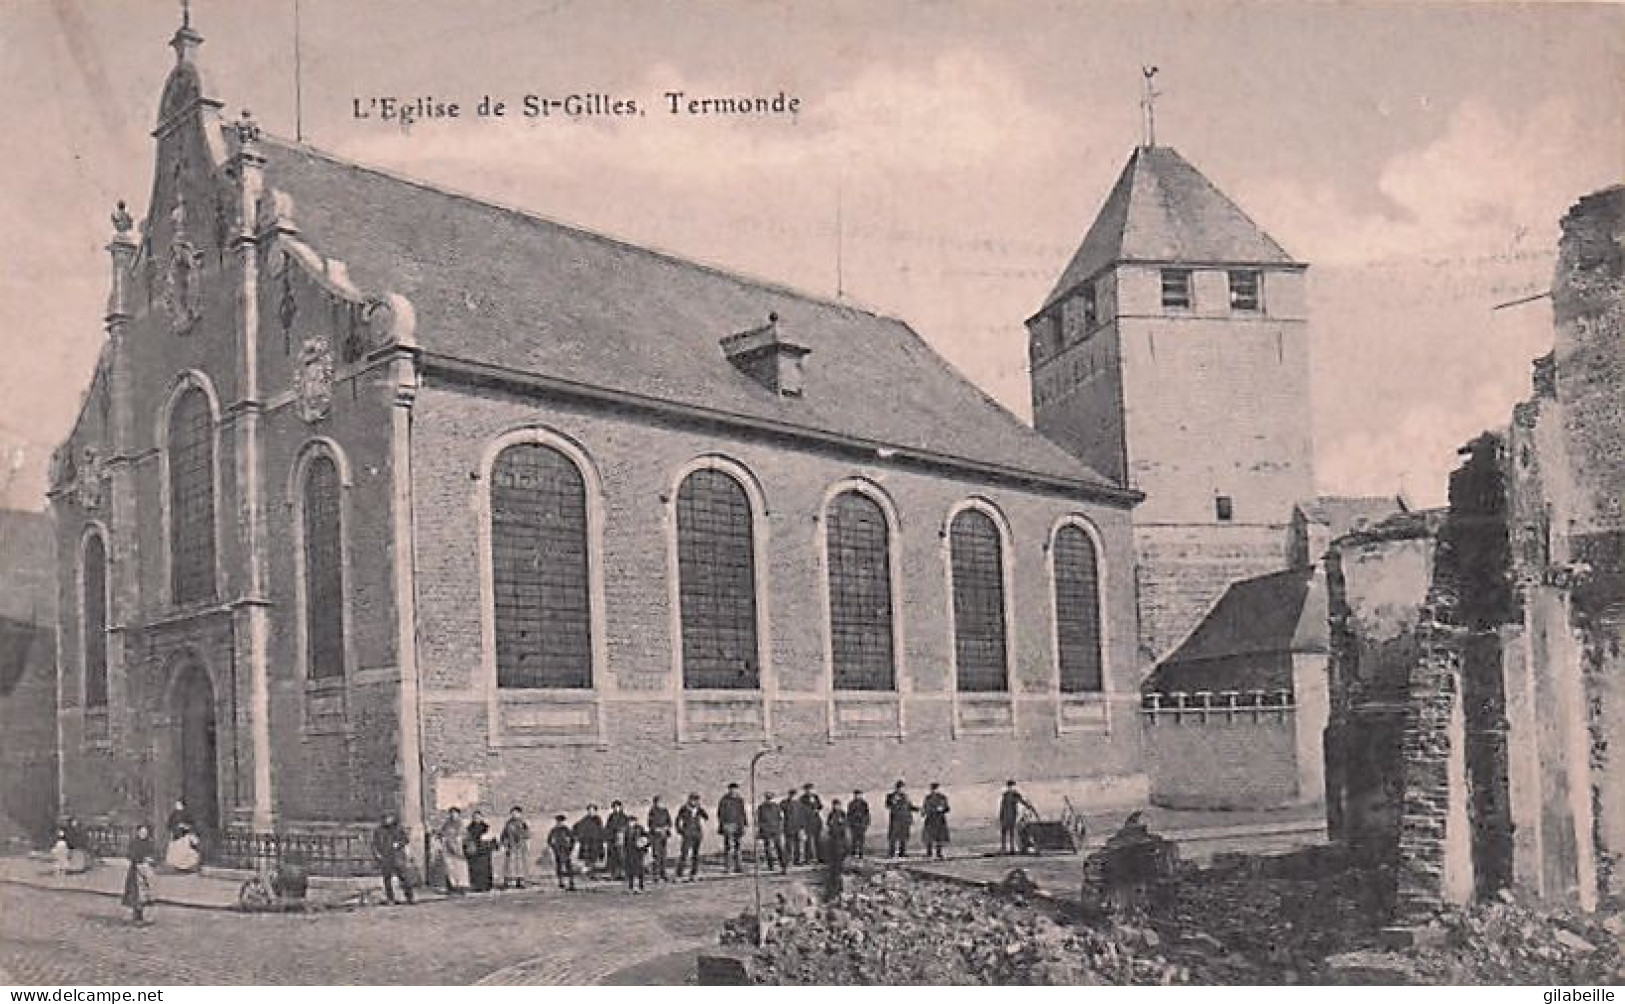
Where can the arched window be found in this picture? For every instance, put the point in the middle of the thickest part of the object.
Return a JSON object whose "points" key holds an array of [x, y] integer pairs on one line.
{"points": [[539, 569], [191, 499], [978, 570], [94, 613], [716, 582], [858, 548], [324, 570], [1077, 610]]}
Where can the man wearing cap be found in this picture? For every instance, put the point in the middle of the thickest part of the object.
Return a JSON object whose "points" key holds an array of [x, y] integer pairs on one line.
{"points": [[659, 832], [812, 821], [857, 823], [1010, 804], [691, 819], [790, 806], [935, 812], [562, 842], [732, 820], [615, 839], [770, 831], [899, 820]]}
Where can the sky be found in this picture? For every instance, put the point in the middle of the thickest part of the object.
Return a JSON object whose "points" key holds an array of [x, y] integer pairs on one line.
{"points": [[946, 160]]}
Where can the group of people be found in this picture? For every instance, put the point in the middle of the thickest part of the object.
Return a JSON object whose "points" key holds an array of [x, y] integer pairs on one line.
{"points": [[470, 855]]}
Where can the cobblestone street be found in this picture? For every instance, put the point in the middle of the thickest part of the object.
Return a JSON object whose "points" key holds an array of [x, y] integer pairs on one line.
{"points": [[540, 936]]}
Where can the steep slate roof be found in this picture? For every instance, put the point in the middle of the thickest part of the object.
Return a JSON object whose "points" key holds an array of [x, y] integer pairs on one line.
{"points": [[504, 288], [1163, 210], [1271, 615]]}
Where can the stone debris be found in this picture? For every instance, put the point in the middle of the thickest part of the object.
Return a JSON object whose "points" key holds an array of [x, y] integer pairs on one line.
{"points": [[1307, 917]]}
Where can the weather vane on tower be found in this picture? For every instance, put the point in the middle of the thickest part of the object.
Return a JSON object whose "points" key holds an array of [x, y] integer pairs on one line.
{"points": [[1149, 104]]}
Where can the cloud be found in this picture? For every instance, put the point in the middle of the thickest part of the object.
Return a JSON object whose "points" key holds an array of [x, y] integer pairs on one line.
{"points": [[1489, 183]]}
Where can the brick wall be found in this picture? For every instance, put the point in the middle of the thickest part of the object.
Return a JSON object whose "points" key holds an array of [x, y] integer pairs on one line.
{"points": [[1222, 759], [1183, 570], [631, 747]]}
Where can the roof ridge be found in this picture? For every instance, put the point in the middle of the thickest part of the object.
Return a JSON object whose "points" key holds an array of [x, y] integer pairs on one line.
{"points": [[621, 243]]}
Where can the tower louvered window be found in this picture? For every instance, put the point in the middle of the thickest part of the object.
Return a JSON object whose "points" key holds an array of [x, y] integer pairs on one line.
{"points": [[324, 570], [94, 615], [191, 499], [858, 549], [979, 629], [539, 569], [716, 570], [1077, 611]]}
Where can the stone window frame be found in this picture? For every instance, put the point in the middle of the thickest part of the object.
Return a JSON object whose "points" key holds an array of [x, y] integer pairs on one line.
{"points": [[544, 716], [184, 383], [1088, 710], [714, 715], [988, 706], [1256, 304], [854, 713], [1187, 280], [325, 696], [96, 732]]}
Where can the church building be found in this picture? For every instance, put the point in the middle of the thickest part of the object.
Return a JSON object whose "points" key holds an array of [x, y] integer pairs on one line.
{"points": [[385, 498]]}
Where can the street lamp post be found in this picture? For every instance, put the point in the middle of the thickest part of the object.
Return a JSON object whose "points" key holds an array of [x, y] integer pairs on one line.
{"points": [[756, 849]]}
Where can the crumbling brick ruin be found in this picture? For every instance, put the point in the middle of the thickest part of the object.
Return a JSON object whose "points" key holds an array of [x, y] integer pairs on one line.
{"points": [[1477, 676]]}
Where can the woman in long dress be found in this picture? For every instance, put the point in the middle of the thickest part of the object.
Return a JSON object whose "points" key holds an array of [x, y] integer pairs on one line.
{"points": [[183, 853], [451, 849], [138, 879], [481, 843]]}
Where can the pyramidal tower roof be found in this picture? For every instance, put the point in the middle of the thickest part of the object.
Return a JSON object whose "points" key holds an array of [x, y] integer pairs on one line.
{"points": [[1162, 209]]}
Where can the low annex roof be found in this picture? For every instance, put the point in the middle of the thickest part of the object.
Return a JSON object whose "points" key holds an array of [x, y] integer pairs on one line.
{"points": [[1267, 616], [1162, 209], [504, 288]]}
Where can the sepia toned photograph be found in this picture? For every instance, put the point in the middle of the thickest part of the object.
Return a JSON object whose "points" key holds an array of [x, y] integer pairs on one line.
{"points": [[919, 492]]}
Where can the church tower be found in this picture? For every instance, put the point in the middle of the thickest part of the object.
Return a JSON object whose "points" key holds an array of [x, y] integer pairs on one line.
{"points": [[1172, 356]]}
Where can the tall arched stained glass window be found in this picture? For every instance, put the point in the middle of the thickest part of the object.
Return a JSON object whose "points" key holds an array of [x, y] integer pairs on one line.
{"points": [[94, 612], [979, 627], [539, 569], [858, 551], [716, 573], [191, 499], [324, 570], [1077, 610]]}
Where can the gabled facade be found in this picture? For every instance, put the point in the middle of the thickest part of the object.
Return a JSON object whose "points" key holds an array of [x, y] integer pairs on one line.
{"points": [[1172, 356], [387, 498]]}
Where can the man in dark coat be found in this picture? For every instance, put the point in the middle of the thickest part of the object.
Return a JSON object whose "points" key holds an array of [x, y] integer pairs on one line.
{"points": [[389, 843], [732, 821], [691, 820], [636, 846], [1010, 805], [899, 821], [812, 818], [857, 824], [561, 840], [935, 812], [659, 823], [770, 831], [615, 839], [790, 806], [589, 834], [834, 850]]}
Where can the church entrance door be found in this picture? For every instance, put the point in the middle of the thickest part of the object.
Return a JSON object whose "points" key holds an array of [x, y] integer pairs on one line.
{"points": [[193, 697]]}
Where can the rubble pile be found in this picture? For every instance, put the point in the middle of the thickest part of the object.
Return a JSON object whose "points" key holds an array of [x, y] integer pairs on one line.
{"points": [[892, 928], [1506, 941]]}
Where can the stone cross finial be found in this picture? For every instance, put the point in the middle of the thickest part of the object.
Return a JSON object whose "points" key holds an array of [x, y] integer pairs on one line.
{"points": [[122, 221], [1149, 104]]}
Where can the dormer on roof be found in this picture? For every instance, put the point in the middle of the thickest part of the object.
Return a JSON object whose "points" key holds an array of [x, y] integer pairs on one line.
{"points": [[767, 356]]}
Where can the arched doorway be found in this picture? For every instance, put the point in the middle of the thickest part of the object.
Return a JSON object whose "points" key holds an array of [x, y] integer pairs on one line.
{"points": [[192, 701]]}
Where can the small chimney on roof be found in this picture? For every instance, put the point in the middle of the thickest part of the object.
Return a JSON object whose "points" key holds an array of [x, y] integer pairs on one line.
{"points": [[765, 355]]}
